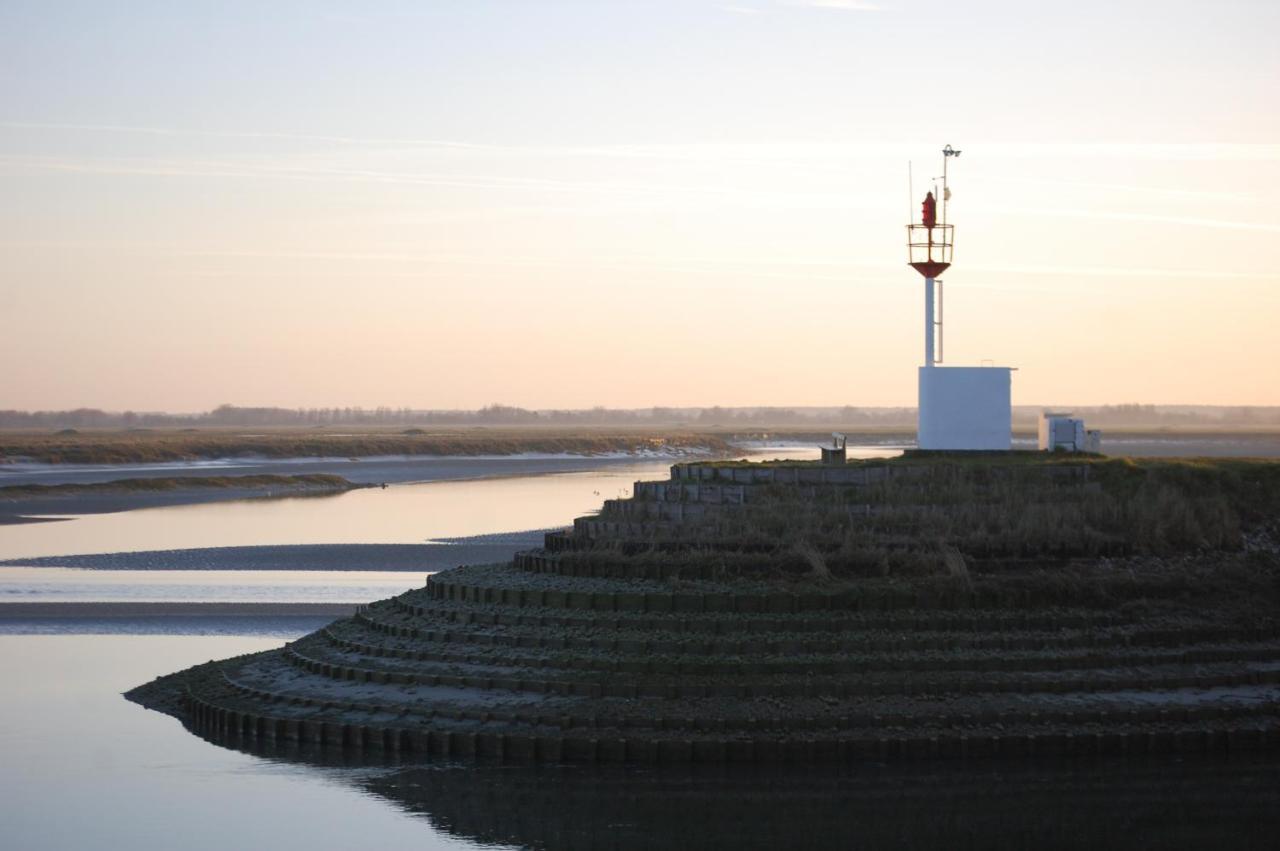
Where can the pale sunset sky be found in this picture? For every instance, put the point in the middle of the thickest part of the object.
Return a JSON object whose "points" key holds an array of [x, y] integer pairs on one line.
{"points": [[565, 203]]}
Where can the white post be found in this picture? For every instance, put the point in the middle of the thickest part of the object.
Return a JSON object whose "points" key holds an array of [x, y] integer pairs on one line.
{"points": [[928, 322]]}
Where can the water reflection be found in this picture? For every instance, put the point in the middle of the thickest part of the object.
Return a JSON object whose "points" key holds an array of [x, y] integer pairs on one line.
{"points": [[1099, 803], [399, 514], [76, 585]]}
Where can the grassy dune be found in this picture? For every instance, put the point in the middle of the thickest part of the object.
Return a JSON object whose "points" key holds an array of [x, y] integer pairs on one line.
{"points": [[149, 446]]}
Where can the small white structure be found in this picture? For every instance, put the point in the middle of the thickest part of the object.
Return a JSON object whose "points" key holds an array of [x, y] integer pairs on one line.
{"points": [[835, 453], [1061, 432], [960, 407], [965, 407]]}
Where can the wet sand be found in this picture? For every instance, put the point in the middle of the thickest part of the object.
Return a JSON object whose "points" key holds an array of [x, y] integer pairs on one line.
{"points": [[17, 519], [63, 506], [277, 620], [23, 611]]}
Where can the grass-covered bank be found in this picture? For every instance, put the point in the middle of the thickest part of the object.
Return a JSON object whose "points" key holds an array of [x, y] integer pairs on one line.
{"points": [[171, 445], [25, 503], [310, 482], [961, 515]]}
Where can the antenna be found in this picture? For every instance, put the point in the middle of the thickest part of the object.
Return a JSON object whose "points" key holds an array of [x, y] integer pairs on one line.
{"points": [[911, 195], [947, 153], [938, 325]]}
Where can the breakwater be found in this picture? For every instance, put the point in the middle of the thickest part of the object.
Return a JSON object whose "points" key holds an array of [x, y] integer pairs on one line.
{"points": [[620, 642]]}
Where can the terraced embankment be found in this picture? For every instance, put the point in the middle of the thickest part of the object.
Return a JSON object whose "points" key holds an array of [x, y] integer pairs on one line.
{"points": [[884, 617]]}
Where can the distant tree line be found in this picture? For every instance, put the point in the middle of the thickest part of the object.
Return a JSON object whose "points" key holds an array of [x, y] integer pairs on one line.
{"points": [[233, 415], [1162, 416], [849, 417]]}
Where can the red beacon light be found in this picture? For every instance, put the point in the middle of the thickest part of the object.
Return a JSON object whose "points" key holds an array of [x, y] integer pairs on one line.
{"points": [[929, 243], [929, 211]]}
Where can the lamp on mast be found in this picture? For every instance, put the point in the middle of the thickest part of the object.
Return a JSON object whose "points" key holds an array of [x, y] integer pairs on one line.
{"points": [[929, 245], [960, 407], [947, 153]]}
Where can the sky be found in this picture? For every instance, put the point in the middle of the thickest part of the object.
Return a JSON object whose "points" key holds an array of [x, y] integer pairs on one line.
{"points": [[568, 203]]}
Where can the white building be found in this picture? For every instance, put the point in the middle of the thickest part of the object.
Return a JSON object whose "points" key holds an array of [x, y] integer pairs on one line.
{"points": [[1060, 432], [965, 407]]}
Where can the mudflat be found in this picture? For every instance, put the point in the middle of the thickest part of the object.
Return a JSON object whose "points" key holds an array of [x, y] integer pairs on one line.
{"points": [[410, 558], [23, 611]]}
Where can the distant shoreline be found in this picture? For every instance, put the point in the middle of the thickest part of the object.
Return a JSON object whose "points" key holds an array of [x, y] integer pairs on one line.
{"points": [[108, 488], [151, 446], [26, 502], [26, 611]]}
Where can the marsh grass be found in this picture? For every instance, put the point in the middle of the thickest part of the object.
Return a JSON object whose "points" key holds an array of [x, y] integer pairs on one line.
{"points": [[161, 445], [962, 522]]}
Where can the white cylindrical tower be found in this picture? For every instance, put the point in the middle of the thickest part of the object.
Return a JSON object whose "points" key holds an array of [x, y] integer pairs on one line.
{"points": [[930, 324]]}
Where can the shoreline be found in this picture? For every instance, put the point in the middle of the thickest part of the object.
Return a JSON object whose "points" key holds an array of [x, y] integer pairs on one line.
{"points": [[109, 490], [131, 611], [382, 558], [150, 446], [40, 502]]}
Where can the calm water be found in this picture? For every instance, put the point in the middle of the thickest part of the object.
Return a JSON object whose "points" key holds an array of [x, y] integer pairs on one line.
{"points": [[408, 513], [404, 513], [80, 767], [83, 768], [399, 514]]}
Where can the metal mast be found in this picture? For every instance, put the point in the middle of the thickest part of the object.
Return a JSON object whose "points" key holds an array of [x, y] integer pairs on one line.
{"points": [[929, 245]]}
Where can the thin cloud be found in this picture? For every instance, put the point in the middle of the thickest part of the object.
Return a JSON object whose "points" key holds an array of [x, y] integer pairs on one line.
{"points": [[833, 269], [1137, 189], [845, 5], [221, 134], [1189, 221], [272, 171], [754, 151]]}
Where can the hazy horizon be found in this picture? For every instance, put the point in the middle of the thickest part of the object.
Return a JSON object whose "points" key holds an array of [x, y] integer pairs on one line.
{"points": [[564, 204], [817, 417]]}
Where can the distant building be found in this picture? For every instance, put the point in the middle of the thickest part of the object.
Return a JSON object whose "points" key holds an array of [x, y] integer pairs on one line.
{"points": [[1061, 432], [835, 453]]}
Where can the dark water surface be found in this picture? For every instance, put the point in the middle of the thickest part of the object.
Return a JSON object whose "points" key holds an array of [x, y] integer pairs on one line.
{"points": [[83, 768]]}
